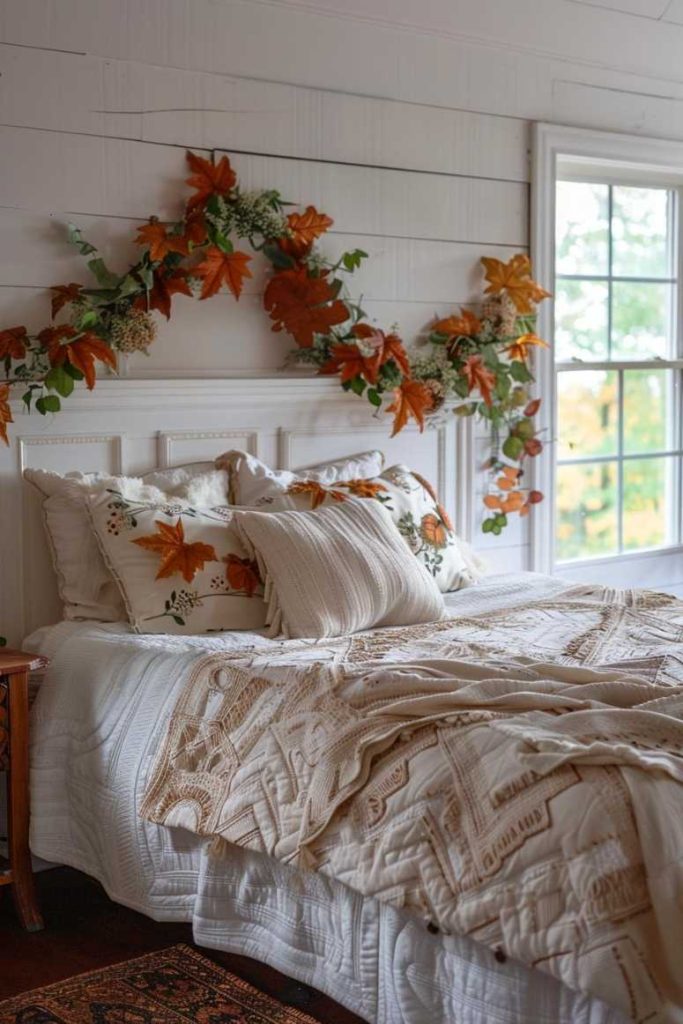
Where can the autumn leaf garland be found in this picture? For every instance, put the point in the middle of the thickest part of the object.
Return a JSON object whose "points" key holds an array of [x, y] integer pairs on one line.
{"points": [[475, 363]]}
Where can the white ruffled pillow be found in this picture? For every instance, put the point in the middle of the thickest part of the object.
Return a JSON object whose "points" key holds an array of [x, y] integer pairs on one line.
{"points": [[85, 585], [337, 570], [254, 483]]}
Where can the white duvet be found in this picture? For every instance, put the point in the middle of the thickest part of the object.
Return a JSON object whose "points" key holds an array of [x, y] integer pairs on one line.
{"points": [[97, 724]]}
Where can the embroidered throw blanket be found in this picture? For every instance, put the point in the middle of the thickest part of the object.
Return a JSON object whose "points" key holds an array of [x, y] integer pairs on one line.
{"points": [[516, 777]]}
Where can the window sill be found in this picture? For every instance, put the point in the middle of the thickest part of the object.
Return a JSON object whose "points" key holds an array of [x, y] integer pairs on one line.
{"points": [[624, 556]]}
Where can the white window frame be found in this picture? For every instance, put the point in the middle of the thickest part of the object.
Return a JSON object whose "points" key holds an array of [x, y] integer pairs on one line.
{"points": [[649, 161]]}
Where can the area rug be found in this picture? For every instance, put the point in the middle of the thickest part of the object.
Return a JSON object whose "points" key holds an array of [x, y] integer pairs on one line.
{"points": [[172, 986]]}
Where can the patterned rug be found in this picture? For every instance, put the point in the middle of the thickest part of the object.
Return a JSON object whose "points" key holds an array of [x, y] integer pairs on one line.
{"points": [[172, 986]]}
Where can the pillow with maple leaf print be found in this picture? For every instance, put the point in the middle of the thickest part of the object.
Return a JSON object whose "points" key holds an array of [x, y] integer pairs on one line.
{"points": [[251, 482], [415, 509], [180, 569]]}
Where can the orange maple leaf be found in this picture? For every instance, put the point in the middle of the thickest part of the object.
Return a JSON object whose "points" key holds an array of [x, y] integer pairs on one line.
{"points": [[208, 179], [195, 226], [519, 349], [390, 345], [175, 555], [465, 325], [308, 226], [317, 492], [363, 488], [5, 412], [411, 400], [13, 343], [242, 574], [303, 305], [63, 294], [163, 287], [160, 243], [479, 376], [514, 277], [81, 352], [351, 363], [218, 268]]}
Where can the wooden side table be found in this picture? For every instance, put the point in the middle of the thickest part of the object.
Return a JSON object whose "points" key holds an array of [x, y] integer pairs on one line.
{"points": [[14, 669]]}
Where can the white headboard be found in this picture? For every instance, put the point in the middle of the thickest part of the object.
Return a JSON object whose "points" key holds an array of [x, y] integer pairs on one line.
{"points": [[131, 426]]}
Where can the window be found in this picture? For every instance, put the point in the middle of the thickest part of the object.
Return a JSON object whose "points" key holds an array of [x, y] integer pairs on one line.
{"points": [[617, 378]]}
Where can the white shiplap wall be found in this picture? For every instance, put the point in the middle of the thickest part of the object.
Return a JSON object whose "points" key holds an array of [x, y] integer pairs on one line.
{"points": [[411, 128]]}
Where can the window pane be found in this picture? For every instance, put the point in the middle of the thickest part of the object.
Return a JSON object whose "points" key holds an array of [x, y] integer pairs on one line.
{"points": [[648, 499], [648, 410], [580, 320], [586, 510], [640, 232], [587, 413], [640, 320], [582, 224]]}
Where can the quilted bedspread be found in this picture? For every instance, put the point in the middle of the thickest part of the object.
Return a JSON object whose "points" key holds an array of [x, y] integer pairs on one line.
{"points": [[515, 776]]}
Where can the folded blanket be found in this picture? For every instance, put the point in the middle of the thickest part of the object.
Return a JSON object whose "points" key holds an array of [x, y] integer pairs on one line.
{"points": [[534, 803]]}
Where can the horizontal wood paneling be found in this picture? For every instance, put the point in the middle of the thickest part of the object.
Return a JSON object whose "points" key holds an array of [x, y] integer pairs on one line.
{"points": [[132, 100], [46, 171], [404, 204]]}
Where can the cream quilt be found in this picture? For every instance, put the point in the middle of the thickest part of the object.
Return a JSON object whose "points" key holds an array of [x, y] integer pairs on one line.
{"points": [[516, 777]]}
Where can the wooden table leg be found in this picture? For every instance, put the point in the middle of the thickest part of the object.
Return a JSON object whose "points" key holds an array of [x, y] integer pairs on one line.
{"points": [[18, 801]]}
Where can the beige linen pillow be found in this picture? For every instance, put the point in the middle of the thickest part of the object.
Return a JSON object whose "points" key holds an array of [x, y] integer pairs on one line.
{"points": [[254, 483], [86, 587], [412, 501], [337, 570], [180, 569]]}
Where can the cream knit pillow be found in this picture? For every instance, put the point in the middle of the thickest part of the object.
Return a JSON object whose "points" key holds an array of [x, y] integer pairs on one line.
{"points": [[337, 570]]}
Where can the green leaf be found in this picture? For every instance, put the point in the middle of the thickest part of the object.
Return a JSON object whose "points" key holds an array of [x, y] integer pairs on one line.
{"points": [[280, 260], [352, 260], [374, 397], [519, 372], [513, 448], [222, 241], [103, 274], [129, 286], [176, 618], [73, 371], [487, 525], [89, 319], [357, 385], [48, 403], [75, 237], [60, 381], [27, 398]]}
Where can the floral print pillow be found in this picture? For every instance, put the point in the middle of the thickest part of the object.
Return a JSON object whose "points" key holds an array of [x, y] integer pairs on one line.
{"points": [[180, 569]]}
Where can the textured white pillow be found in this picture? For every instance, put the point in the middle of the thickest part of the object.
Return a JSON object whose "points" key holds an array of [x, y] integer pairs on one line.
{"points": [[85, 585], [254, 483], [180, 569], [337, 570]]}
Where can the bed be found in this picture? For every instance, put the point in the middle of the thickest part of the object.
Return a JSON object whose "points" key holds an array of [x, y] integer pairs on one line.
{"points": [[101, 719], [98, 723]]}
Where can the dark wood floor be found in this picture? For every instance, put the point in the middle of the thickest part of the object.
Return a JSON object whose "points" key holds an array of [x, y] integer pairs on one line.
{"points": [[84, 930]]}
